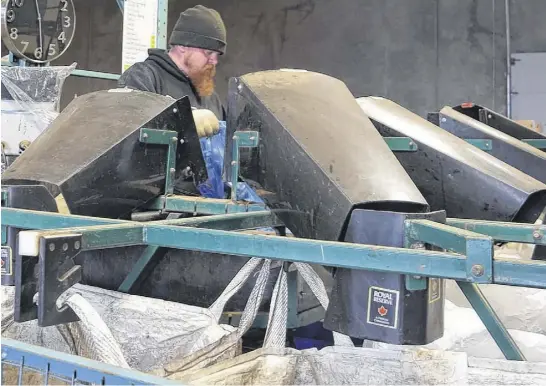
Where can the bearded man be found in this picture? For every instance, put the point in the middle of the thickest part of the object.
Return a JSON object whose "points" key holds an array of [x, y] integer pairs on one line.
{"points": [[188, 67]]}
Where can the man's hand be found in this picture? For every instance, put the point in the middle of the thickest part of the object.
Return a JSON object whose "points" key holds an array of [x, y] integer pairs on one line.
{"points": [[206, 122]]}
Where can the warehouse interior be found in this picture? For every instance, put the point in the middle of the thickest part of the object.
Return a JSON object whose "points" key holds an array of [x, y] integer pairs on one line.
{"points": [[420, 53], [361, 200]]}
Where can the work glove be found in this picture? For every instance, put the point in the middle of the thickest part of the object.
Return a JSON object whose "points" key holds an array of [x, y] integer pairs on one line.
{"points": [[206, 122]]}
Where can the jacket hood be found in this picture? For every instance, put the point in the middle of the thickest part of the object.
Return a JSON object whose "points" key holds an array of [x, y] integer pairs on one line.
{"points": [[162, 58]]}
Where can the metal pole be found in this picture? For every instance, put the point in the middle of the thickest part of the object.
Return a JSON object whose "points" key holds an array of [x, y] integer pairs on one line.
{"points": [[162, 18], [508, 61], [491, 321]]}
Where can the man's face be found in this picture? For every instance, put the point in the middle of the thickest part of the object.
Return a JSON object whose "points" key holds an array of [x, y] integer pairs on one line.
{"points": [[200, 66]]}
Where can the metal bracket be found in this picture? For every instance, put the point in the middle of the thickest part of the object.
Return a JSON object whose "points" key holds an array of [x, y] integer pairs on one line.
{"points": [[240, 139], [477, 248], [57, 274], [504, 231], [538, 143], [163, 137], [401, 143], [482, 144]]}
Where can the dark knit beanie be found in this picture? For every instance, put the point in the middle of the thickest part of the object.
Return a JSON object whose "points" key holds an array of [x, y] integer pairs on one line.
{"points": [[200, 27]]}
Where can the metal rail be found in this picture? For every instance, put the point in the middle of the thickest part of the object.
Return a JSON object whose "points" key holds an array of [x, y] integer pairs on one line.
{"points": [[24, 364], [469, 259]]}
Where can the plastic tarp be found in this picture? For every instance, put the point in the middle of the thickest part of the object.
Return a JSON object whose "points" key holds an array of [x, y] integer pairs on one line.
{"points": [[465, 332], [153, 335], [381, 364], [519, 308], [30, 102]]}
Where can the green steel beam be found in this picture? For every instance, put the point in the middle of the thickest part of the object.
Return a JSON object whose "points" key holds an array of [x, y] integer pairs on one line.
{"points": [[538, 143], [229, 222], [95, 74], [147, 262], [170, 139], [248, 138], [152, 254], [32, 219], [491, 321], [483, 144], [401, 143], [347, 255], [523, 273], [158, 137], [504, 231], [199, 205], [477, 248]]}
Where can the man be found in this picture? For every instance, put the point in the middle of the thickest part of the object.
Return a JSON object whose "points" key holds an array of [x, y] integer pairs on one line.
{"points": [[188, 67]]}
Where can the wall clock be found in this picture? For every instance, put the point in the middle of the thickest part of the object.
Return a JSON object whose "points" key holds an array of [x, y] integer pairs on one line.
{"points": [[38, 31]]}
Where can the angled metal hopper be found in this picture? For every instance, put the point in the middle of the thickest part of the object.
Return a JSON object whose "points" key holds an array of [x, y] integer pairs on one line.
{"points": [[318, 152], [455, 175], [499, 122], [506, 144], [92, 155], [335, 178]]}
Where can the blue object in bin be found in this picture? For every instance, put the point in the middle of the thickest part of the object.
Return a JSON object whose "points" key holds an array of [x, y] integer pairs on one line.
{"points": [[213, 149]]}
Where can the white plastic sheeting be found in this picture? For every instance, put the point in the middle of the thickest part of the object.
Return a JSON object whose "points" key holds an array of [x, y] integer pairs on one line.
{"points": [[465, 332], [336, 366], [30, 102], [153, 335], [187, 344], [519, 308], [435, 364]]}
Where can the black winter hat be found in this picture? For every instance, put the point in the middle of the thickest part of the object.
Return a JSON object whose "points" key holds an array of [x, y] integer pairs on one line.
{"points": [[200, 27]]}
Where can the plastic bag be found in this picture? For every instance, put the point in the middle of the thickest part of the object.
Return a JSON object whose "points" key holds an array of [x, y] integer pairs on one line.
{"points": [[34, 91], [213, 149], [213, 153]]}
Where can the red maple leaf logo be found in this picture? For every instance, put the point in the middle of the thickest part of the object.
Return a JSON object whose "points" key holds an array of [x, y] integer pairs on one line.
{"points": [[382, 311]]}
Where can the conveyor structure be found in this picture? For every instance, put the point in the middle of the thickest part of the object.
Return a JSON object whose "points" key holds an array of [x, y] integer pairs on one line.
{"points": [[343, 176]]}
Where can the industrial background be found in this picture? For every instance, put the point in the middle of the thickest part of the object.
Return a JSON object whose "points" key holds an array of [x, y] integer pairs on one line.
{"points": [[423, 54], [403, 230]]}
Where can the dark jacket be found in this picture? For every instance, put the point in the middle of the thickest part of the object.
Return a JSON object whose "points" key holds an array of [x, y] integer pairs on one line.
{"points": [[160, 75]]}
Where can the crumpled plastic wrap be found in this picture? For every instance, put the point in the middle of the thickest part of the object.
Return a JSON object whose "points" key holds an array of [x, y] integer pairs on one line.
{"points": [[519, 308], [336, 366], [465, 332], [37, 90], [153, 335]]}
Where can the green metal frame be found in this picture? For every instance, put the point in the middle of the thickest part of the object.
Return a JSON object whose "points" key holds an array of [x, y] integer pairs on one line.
{"points": [[183, 234], [241, 139], [407, 144], [538, 143], [401, 143], [199, 205], [163, 137], [468, 260]]}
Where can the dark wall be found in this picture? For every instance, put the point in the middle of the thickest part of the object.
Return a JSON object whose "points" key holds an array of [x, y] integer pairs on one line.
{"points": [[423, 54]]}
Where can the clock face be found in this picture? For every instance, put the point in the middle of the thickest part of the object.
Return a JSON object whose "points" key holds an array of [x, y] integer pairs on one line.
{"points": [[38, 30]]}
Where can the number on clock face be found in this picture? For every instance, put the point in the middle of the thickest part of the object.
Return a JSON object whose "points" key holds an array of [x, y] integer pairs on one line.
{"points": [[38, 30]]}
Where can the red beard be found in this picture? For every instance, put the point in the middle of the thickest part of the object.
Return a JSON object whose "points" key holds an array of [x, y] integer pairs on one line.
{"points": [[203, 79]]}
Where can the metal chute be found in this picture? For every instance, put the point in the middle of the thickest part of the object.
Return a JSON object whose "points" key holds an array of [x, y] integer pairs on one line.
{"points": [[455, 175], [91, 153], [318, 152], [506, 144]]}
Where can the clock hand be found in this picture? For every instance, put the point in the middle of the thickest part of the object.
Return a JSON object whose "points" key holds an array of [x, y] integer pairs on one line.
{"points": [[40, 28]]}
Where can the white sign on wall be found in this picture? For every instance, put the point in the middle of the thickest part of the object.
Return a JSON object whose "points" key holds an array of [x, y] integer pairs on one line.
{"points": [[139, 31]]}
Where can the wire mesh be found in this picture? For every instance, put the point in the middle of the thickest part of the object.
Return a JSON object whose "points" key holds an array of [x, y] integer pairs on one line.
{"points": [[24, 364]]}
